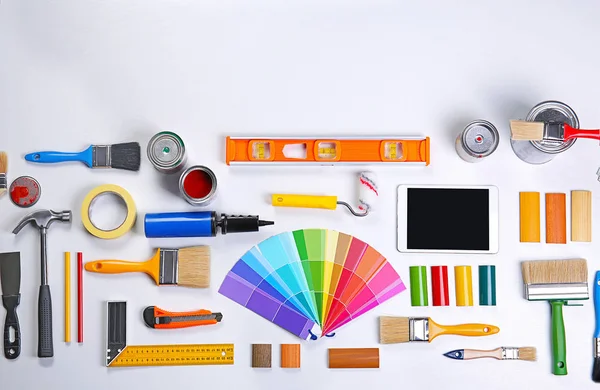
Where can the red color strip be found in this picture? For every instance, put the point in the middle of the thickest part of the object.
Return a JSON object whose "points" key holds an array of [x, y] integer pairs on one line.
{"points": [[79, 297]]}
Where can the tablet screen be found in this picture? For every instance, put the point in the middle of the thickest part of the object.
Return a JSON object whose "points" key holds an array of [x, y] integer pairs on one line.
{"points": [[448, 219]]}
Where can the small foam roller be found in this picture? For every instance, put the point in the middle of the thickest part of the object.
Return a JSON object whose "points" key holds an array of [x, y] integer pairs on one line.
{"points": [[367, 191]]}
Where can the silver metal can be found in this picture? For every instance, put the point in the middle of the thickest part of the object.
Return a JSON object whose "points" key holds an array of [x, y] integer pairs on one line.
{"points": [[540, 152], [478, 140], [198, 185], [166, 151]]}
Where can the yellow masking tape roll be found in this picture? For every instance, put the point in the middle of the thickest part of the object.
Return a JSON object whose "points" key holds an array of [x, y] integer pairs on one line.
{"points": [[463, 285], [127, 223]]}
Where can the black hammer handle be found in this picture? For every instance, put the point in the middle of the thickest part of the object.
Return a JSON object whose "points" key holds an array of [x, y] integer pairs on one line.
{"points": [[45, 345]]}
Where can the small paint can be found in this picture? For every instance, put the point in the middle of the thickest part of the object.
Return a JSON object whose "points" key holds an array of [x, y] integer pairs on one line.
{"points": [[25, 191], [198, 185], [166, 152], [478, 140], [540, 152]]}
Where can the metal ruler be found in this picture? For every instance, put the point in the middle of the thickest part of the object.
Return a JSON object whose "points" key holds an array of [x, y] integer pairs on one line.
{"points": [[119, 354]]}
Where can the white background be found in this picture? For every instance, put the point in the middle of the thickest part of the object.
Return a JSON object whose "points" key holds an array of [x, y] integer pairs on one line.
{"points": [[78, 72]]}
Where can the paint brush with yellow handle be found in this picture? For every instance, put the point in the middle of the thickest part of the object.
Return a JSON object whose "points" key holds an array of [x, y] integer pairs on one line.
{"points": [[393, 330], [367, 197]]}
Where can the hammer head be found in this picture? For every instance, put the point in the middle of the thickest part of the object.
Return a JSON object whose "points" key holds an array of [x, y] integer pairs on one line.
{"points": [[43, 219]]}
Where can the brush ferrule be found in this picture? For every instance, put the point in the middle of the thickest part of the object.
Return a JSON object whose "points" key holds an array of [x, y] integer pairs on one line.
{"points": [[553, 291], [3, 183], [168, 266], [101, 156], [554, 132], [419, 329], [510, 353], [597, 347]]}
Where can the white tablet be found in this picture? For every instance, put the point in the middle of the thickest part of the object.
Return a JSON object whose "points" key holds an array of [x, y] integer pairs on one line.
{"points": [[447, 219]]}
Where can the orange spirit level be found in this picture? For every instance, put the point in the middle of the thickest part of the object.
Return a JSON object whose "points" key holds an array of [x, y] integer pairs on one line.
{"points": [[326, 151]]}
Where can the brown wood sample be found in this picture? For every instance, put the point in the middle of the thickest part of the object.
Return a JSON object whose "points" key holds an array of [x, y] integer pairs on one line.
{"points": [[556, 218], [581, 216], [529, 216], [261, 355], [290, 355], [353, 357]]}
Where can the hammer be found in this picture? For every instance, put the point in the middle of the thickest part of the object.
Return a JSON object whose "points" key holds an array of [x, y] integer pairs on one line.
{"points": [[42, 220]]}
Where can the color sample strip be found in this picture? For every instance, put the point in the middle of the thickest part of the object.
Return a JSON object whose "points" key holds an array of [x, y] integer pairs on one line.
{"points": [[290, 355], [353, 357], [261, 355], [556, 218], [464, 285], [331, 241], [418, 286], [581, 216], [529, 216], [246, 294], [439, 285], [315, 240], [342, 248]]}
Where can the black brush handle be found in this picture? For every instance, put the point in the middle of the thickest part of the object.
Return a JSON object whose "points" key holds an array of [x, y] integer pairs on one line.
{"points": [[11, 350], [45, 345]]}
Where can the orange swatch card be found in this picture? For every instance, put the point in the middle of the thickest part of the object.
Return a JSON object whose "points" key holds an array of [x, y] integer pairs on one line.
{"points": [[556, 218]]}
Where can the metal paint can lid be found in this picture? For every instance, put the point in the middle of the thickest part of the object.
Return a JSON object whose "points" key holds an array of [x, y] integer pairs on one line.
{"points": [[25, 191], [198, 185], [553, 111], [480, 138], [166, 151]]}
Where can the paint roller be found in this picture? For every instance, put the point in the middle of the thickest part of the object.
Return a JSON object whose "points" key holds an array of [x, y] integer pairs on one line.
{"points": [[367, 197]]}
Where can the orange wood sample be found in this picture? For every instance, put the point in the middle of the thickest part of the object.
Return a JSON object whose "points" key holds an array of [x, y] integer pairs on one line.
{"points": [[290, 355], [261, 355], [529, 216], [556, 218], [353, 357], [581, 216]]}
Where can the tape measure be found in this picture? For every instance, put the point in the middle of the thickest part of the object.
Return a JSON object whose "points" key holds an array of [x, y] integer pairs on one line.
{"points": [[174, 355]]}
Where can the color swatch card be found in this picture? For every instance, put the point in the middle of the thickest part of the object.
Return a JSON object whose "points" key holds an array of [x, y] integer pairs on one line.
{"points": [[311, 282]]}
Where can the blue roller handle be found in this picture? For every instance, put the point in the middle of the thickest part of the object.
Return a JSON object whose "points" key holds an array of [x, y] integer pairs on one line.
{"points": [[190, 224], [58, 157], [597, 303]]}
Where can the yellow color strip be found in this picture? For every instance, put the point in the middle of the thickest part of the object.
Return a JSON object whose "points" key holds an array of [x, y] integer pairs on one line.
{"points": [[331, 240], [464, 285], [67, 297], [529, 216]]}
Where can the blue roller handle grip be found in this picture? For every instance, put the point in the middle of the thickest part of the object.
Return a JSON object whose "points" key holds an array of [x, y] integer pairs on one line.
{"points": [[57, 157], [597, 303]]}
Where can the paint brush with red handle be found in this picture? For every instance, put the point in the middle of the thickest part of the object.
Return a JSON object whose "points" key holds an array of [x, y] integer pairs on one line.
{"points": [[548, 131]]}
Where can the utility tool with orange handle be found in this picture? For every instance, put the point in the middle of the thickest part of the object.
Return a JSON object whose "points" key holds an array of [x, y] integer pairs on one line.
{"points": [[394, 330], [158, 318], [326, 151], [188, 267]]}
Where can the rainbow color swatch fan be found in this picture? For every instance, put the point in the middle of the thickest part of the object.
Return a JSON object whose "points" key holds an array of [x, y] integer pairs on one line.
{"points": [[310, 282]]}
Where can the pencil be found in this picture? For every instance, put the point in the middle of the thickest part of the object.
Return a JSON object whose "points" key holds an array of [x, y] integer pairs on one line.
{"points": [[67, 297], [79, 297]]}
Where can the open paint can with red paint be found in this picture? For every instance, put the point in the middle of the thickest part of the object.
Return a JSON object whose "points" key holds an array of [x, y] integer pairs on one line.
{"points": [[198, 185]]}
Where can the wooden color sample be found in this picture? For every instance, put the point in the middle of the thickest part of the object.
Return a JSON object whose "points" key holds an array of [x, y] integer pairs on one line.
{"points": [[261, 355], [529, 216], [581, 216], [290, 355], [353, 357], [556, 218]]}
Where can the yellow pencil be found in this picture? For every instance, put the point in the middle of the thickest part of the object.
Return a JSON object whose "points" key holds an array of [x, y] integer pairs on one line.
{"points": [[67, 297]]}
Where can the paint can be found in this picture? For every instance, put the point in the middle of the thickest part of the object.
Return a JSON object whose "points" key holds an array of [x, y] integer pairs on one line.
{"points": [[478, 140], [198, 185], [166, 152], [540, 152]]}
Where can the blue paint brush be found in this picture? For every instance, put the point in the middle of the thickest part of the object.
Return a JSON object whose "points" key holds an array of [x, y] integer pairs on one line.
{"points": [[596, 370], [119, 156]]}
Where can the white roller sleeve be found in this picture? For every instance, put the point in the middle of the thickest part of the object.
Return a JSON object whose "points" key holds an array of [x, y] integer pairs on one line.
{"points": [[367, 191]]}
